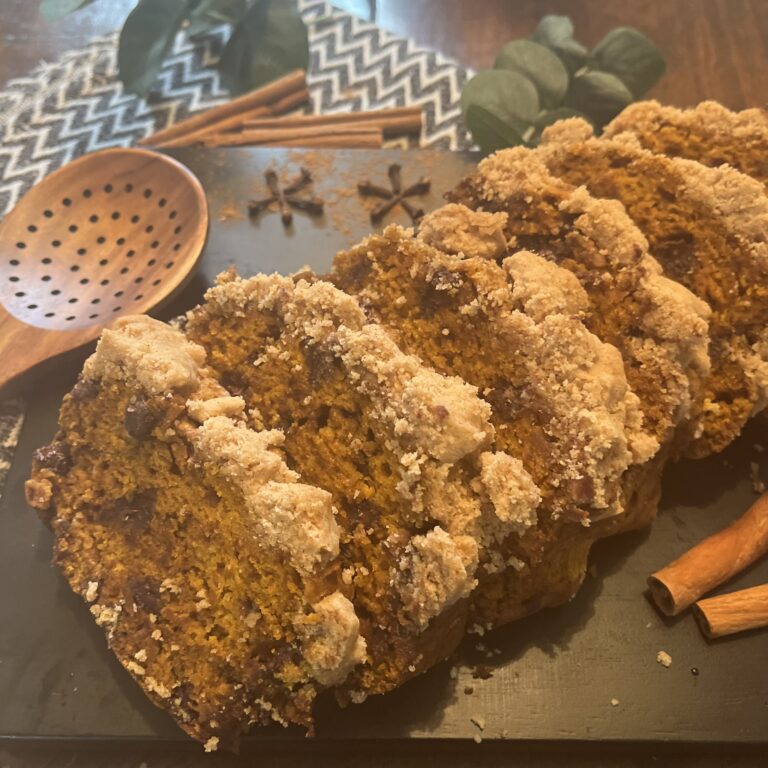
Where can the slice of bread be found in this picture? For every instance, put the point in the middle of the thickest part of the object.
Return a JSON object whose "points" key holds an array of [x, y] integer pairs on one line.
{"points": [[709, 133], [559, 398], [658, 325], [707, 228], [406, 453], [212, 567]]}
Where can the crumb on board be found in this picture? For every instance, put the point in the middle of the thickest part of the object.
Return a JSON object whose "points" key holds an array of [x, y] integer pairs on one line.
{"points": [[230, 212], [212, 744], [615, 702], [482, 672], [478, 721], [477, 738], [758, 486], [663, 658]]}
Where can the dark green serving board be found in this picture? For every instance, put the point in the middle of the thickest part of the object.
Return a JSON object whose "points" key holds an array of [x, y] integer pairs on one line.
{"points": [[552, 677]]}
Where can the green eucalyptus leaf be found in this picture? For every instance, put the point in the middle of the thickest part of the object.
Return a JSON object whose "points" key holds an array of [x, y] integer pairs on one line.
{"points": [[269, 41], [600, 95], [542, 67], [145, 39], [556, 32], [552, 30], [208, 14], [321, 21], [632, 57], [510, 96], [573, 55], [488, 131], [51, 10]]}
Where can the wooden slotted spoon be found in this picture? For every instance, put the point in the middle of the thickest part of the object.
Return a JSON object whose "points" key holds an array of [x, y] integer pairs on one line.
{"points": [[110, 234]]}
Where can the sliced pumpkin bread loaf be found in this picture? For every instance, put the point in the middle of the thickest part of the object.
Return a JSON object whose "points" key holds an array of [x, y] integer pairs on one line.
{"points": [[708, 228], [658, 325], [709, 133], [405, 452], [559, 399], [211, 566]]}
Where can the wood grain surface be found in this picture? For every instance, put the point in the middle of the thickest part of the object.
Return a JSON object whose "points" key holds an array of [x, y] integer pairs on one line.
{"points": [[372, 756], [714, 48]]}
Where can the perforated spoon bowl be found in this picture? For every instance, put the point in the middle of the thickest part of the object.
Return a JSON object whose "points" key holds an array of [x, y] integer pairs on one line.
{"points": [[113, 233]]}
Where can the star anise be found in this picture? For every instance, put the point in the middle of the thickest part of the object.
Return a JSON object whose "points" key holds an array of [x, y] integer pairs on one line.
{"points": [[286, 197], [394, 196]]}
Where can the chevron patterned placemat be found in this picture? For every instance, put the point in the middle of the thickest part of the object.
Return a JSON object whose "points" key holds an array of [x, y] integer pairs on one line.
{"points": [[77, 105]]}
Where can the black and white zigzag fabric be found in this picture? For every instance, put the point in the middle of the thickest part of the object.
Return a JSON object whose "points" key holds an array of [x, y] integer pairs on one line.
{"points": [[77, 105]]}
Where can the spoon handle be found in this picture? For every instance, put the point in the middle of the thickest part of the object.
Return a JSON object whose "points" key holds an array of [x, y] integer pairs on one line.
{"points": [[23, 346]]}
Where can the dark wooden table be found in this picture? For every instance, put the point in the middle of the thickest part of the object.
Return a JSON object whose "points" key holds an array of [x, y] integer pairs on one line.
{"points": [[716, 49]]}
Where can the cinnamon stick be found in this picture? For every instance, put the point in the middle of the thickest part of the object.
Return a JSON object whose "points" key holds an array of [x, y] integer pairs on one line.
{"points": [[233, 123], [372, 140], [734, 612], [352, 136], [713, 561], [397, 120], [266, 94]]}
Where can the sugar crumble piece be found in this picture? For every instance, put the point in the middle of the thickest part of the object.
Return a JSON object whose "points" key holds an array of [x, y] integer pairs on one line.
{"points": [[92, 591], [169, 585], [135, 668], [252, 619], [212, 744]]}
